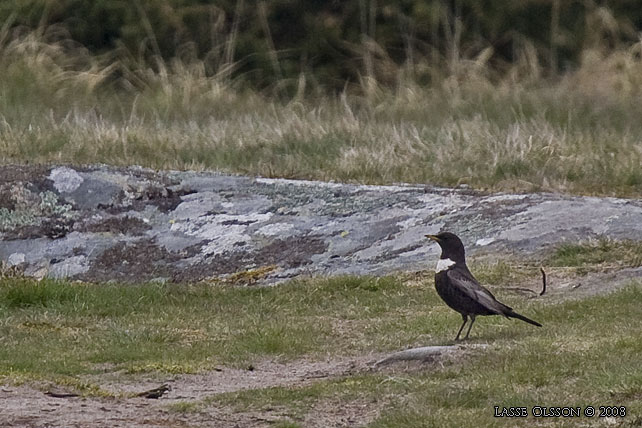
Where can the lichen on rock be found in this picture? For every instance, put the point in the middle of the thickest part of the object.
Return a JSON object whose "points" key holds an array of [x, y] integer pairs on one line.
{"points": [[101, 223]]}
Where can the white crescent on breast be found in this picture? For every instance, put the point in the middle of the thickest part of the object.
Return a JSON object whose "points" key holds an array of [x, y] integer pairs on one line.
{"points": [[443, 264]]}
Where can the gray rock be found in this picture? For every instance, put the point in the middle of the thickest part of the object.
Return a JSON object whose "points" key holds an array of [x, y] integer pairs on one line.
{"points": [[69, 267], [103, 223], [16, 259], [65, 180]]}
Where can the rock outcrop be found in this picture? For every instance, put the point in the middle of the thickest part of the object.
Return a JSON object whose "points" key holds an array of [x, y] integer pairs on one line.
{"points": [[103, 223]]}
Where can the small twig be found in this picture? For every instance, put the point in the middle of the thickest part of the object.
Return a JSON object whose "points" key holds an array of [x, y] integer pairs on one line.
{"points": [[541, 269], [61, 394], [155, 393]]}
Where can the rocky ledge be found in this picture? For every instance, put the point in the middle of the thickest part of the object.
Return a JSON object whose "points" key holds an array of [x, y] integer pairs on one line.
{"points": [[102, 223]]}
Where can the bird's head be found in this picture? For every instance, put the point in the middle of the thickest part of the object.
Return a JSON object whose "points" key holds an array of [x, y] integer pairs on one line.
{"points": [[451, 246]]}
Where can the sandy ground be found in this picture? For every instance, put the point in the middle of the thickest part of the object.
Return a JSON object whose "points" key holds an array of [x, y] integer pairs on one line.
{"points": [[29, 406]]}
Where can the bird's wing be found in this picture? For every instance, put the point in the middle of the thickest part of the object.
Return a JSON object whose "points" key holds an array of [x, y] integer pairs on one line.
{"points": [[465, 282]]}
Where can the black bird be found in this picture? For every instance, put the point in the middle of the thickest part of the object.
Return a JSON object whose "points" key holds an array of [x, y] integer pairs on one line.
{"points": [[459, 288]]}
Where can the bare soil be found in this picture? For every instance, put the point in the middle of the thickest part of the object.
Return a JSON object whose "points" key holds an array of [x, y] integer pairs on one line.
{"points": [[31, 406]]}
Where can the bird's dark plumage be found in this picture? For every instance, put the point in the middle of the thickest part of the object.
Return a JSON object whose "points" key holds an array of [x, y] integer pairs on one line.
{"points": [[459, 288]]}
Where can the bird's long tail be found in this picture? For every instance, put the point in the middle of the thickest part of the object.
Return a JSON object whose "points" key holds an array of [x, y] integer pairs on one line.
{"points": [[512, 314]]}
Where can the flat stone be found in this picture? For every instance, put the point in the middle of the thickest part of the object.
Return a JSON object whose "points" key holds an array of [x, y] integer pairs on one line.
{"points": [[16, 259], [65, 180], [70, 267], [135, 224]]}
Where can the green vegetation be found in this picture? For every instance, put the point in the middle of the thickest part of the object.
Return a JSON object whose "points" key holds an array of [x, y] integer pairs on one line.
{"points": [[601, 252], [503, 272], [67, 332], [574, 361], [31, 207], [186, 328]]}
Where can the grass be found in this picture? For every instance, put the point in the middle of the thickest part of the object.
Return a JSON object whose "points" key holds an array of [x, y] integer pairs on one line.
{"points": [[587, 353], [578, 134], [503, 272], [575, 360], [598, 252], [76, 327]]}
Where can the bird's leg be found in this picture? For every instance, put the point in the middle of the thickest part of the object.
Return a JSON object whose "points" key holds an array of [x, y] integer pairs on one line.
{"points": [[465, 317], [472, 320]]}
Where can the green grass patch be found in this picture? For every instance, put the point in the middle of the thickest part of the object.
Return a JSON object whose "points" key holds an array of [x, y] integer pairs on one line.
{"points": [[575, 360], [75, 328], [587, 353], [503, 272], [598, 252]]}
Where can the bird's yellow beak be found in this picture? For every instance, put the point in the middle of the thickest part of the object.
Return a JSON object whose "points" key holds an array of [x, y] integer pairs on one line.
{"points": [[433, 237]]}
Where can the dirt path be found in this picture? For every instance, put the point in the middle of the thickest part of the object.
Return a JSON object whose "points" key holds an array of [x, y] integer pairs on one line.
{"points": [[30, 406]]}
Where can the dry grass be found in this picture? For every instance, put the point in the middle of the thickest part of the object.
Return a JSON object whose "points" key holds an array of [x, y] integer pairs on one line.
{"points": [[580, 134]]}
